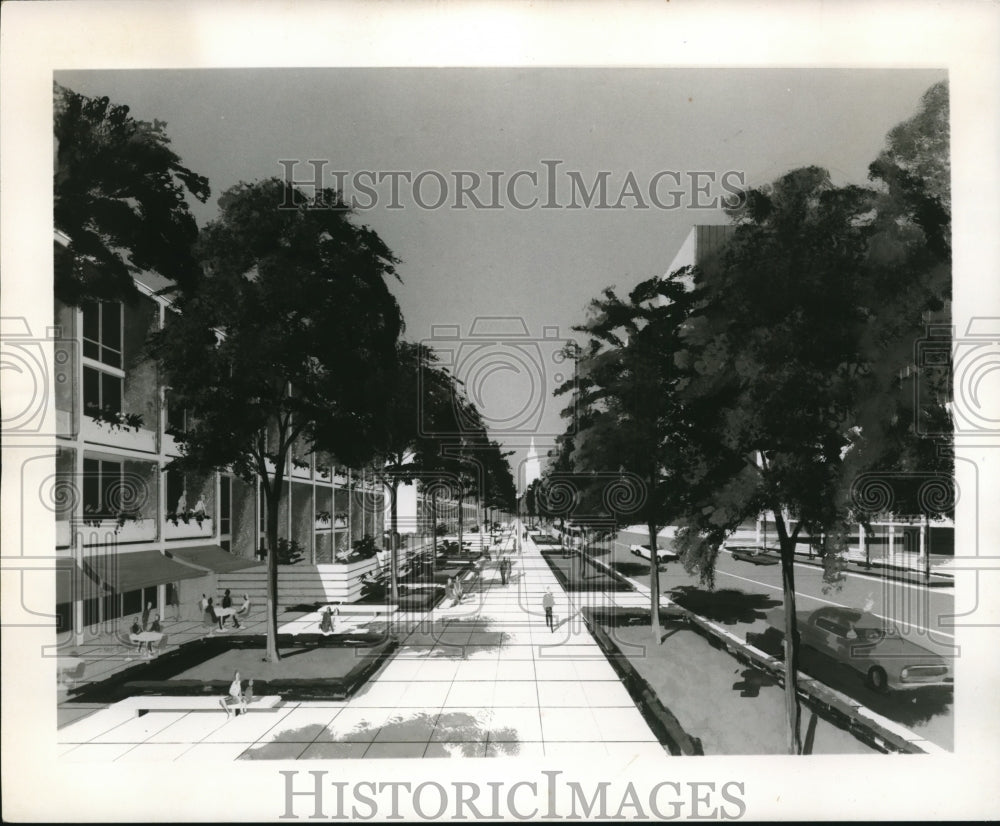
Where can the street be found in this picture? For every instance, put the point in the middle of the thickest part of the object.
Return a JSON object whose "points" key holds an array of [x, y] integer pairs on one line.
{"points": [[748, 600]]}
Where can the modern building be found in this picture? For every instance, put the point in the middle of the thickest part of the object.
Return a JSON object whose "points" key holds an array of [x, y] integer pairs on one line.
{"points": [[130, 532], [532, 466]]}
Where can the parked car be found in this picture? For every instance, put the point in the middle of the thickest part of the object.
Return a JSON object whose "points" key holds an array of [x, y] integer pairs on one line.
{"points": [[755, 554], [873, 647], [662, 554]]}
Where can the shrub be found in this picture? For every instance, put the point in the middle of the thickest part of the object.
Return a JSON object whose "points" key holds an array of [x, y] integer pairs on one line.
{"points": [[289, 552], [364, 548]]}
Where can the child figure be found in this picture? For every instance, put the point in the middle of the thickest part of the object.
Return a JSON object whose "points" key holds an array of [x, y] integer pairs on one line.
{"points": [[326, 623]]}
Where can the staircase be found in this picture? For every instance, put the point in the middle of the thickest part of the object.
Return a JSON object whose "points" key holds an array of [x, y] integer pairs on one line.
{"points": [[300, 583]]}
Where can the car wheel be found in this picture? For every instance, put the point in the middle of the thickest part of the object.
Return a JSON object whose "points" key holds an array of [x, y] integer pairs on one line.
{"points": [[877, 680]]}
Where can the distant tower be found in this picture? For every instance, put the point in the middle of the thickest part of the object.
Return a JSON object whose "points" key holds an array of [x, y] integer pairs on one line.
{"points": [[532, 467]]}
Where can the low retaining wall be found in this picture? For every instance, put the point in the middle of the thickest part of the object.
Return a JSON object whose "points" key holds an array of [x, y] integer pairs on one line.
{"points": [[870, 728], [299, 584], [658, 717]]}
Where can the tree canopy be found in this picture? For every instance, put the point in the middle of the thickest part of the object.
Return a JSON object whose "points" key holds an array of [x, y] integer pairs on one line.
{"points": [[627, 412], [283, 341], [781, 370], [120, 196]]}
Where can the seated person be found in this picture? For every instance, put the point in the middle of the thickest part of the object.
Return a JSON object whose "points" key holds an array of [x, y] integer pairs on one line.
{"points": [[247, 696], [326, 624], [234, 698], [154, 623]]}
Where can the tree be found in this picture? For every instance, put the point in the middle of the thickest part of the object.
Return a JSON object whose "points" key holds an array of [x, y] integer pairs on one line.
{"points": [[283, 340], [415, 395], [531, 500], [119, 195], [792, 362], [466, 454], [627, 409], [450, 428], [499, 491]]}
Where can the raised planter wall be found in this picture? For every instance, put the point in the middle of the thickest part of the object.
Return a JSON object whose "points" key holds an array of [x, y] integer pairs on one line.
{"points": [[301, 583], [100, 433], [187, 530]]}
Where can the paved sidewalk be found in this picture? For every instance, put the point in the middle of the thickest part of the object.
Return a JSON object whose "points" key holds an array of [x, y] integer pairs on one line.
{"points": [[484, 678]]}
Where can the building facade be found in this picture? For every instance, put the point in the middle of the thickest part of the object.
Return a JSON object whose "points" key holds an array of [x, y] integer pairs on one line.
{"points": [[131, 533]]}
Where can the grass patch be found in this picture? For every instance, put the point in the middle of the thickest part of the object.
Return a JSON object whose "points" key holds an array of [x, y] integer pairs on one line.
{"points": [[314, 667], [663, 723]]}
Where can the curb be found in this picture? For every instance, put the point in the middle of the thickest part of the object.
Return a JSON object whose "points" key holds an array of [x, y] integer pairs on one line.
{"points": [[872, 729], [894, 574]]}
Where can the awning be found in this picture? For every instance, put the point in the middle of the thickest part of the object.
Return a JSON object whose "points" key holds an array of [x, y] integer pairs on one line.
{"points": [[124, 572], [213, 558], [72, 583]]}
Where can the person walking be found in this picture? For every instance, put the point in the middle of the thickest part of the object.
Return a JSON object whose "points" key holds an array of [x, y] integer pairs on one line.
{"points": [[174, 600], [548, 603], [145, 616], [210, 618]]}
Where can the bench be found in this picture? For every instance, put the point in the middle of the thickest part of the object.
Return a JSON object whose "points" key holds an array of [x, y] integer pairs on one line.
{"points": [[70, 670], [147, 638], [141, 705]]}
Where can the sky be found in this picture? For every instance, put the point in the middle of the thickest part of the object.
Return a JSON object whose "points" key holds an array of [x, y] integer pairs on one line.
{"points": [[498, 290]]}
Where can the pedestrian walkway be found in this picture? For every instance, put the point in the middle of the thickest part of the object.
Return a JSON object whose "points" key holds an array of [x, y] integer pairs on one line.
{"points": [[484, 678]]}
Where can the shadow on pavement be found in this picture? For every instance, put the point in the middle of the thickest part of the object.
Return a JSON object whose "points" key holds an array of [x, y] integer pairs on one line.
{"points": [[912, 707], [727, 606], [632, 568], [753, 681]]}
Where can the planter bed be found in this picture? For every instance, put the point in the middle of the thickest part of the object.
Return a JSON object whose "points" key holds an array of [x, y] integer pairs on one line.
{"points": [[415, 599], [314, 667], [441, 573], [660, 719], [422, 599], [578, 573]]}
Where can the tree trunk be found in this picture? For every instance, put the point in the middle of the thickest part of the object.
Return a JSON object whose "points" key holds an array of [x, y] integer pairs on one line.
{"points": [[393, 543], [927, 549], [791, 635], [272, 501], [461, 520], [654, 583], [434, 534]]}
